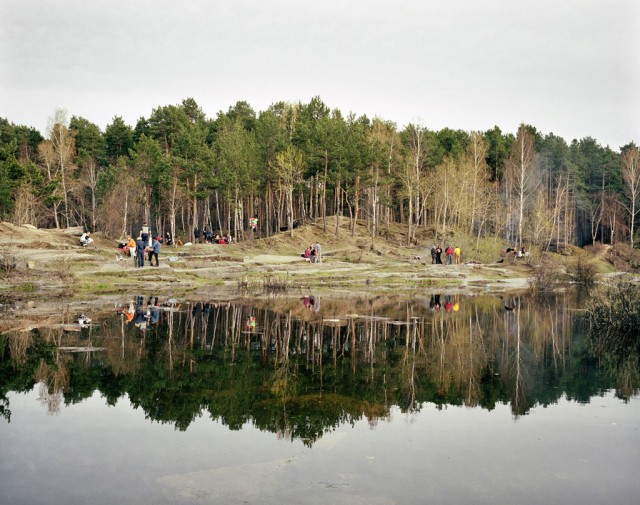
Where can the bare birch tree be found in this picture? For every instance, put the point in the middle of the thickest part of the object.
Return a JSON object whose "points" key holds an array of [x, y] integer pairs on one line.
{"points": [[61, 151], [631, 176], [522, 171], [476, 157]]}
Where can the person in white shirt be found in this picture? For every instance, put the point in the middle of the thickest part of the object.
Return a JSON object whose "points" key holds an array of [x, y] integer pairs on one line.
{"points": [[85, 239]]}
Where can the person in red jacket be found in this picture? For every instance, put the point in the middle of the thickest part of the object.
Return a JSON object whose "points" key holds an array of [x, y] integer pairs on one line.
{"points": [[449, 254]]}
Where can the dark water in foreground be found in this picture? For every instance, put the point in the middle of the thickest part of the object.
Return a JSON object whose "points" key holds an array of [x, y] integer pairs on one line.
{"points": [[449, 400]]}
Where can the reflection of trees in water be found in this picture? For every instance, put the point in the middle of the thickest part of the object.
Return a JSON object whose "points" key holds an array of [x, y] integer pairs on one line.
{"points": [[538, 340], [459, 345], [300, 373]]}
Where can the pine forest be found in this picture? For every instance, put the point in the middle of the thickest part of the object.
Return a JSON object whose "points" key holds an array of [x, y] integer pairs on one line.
{"points": [[296, 163]]}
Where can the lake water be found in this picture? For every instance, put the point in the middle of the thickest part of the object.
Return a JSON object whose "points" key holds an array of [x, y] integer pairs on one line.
{"points": [[444, 399]]}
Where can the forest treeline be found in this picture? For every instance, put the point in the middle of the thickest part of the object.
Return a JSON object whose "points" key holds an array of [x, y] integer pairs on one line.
{"points": [[301, 162]]}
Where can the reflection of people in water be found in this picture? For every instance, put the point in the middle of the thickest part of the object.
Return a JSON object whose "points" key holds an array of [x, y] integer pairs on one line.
{"points": [[434, 303], [447, 303], [141, 315], [251, 323], [456, 303], [139, 318], [311, 302], [153, 311], [128, 312]]}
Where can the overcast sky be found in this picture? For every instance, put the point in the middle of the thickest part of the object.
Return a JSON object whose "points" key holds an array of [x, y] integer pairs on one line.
{"points": [[571, 67]]}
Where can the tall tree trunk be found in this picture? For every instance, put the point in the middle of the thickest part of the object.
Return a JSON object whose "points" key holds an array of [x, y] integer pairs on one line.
{"points": [[410, 220], [316, 212], [445, 205], [324, 191], [125, 217], [195, 204], [268, 208], [374, 206], [356, 198], [173, 210], [337, 200], [219, 227]]}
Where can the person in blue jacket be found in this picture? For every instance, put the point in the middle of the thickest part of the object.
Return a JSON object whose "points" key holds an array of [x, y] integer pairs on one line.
{"points": [[154, 252]]}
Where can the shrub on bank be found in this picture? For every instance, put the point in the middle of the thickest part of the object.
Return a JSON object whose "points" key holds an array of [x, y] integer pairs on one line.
{"points": [[615, 317], [582, 272], [545, 278], [614, 334]]}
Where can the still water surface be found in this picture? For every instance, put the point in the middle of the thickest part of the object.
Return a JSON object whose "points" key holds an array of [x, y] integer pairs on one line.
{"points": [[434, 400]]}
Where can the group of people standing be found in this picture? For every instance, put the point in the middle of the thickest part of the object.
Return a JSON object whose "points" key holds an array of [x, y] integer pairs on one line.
{"points": [[145, 243], [452, 255], [313, 253]]}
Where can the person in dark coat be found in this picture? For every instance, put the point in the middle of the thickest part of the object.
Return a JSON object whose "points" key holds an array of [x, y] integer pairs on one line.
{"points": [[140, 246], [145, 233], [438, 255], [154, 252]]}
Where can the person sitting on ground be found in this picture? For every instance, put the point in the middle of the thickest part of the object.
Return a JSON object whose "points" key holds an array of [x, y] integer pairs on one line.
{"points": [[306, 254], [85, 239], [131, 246]]}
